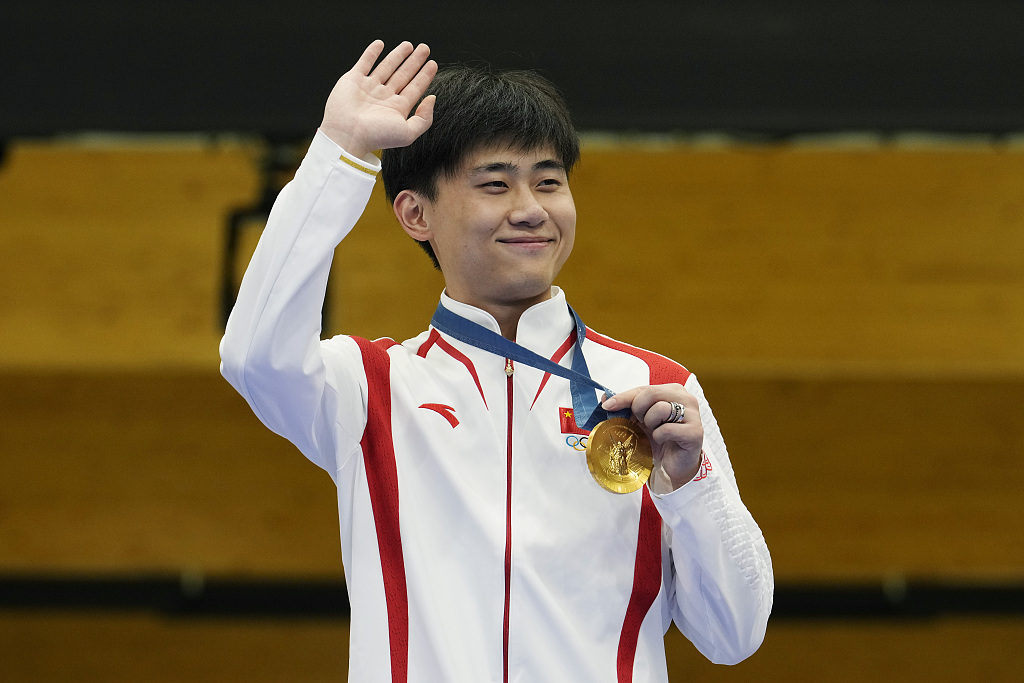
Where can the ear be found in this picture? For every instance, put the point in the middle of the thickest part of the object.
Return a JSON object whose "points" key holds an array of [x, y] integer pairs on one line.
{"points": [[410, 210]]}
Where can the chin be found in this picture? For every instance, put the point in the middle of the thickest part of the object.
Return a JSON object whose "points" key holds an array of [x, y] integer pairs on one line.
{"points": [[528, 290]]}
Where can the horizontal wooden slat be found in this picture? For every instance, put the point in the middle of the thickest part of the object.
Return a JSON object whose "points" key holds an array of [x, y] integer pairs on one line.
{"points": [[109, 256], [855, 478], [943, 650], [148, 472], [784, 260], [86, 648], [59, 647], [169, 472]]}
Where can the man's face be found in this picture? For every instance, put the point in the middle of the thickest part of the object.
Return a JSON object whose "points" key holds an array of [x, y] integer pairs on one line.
{"points": [[503, 226]]}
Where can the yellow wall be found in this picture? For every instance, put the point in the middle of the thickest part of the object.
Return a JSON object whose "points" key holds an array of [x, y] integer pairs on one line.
{"points": [[770, 260], [856, 317]]}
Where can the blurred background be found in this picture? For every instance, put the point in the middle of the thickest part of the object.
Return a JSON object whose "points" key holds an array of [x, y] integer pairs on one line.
{"points": [[817, 207]]}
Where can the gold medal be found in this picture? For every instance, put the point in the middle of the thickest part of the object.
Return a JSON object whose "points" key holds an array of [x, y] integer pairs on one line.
{"points": [[619, 455]]}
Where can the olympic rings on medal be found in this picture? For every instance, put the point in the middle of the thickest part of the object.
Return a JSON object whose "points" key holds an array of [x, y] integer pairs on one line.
{"points": [[577, 443]]}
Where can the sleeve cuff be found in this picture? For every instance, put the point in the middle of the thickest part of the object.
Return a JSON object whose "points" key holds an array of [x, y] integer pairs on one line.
{"points": [[691, 488], [325, 147]]}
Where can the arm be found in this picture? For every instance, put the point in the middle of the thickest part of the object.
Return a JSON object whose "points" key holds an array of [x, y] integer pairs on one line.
{"points": [[271, 351], [722, 584]]}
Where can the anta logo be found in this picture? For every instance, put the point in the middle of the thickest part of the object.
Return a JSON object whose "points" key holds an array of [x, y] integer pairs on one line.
{"points": [[447, 412]]}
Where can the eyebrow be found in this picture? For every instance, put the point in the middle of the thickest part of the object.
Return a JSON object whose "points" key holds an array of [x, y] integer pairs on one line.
{"points": [[506, 167]]}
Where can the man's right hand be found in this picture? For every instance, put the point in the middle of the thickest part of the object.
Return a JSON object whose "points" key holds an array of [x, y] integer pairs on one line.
{"points": [[368, 109]]}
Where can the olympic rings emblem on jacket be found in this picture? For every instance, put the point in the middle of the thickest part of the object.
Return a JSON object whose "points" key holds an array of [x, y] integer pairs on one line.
{"points": [[578, 443]]}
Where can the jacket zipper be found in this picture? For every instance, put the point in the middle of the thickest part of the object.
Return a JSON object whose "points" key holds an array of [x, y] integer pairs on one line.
{"points": [[509, 370]]}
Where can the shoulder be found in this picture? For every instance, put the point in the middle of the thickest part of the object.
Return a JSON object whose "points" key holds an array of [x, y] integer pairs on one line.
{"points": [[374, 354], [664, 370], [343, 347]]}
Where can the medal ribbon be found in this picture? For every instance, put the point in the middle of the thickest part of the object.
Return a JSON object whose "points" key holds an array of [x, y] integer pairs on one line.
{"points": [[584, 402]]}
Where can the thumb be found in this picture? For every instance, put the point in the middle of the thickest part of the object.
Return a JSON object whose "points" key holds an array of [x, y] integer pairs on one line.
{"points": [[423, 116]]}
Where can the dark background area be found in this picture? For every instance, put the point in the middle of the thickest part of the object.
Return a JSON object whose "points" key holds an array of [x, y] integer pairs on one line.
{"points": [[764, 68]]}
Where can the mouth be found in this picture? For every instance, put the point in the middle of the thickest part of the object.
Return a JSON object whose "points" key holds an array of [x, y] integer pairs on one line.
{"points": [[532, 242]]}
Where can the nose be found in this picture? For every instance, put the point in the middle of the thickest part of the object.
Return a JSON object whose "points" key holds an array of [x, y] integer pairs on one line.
{"points": [[527, 211]]}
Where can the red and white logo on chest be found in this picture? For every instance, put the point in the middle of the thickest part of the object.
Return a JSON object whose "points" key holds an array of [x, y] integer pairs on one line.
{"points": [[447, 412]]}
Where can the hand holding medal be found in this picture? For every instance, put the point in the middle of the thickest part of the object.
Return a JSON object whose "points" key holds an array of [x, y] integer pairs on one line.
{"points": [[669, 417], [663, 442]]}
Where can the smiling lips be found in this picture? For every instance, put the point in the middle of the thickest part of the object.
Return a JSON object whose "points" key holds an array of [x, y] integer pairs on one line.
{"points": [[528, 242]]}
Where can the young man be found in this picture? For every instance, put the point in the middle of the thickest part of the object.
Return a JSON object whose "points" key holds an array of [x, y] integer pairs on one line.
{"points": [[481, 537]]}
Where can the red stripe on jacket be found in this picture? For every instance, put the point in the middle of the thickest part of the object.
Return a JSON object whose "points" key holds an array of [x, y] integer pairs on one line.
{"points": [[436, 338], [557, 356], [382, 479], [646, 586], [647, 567]]}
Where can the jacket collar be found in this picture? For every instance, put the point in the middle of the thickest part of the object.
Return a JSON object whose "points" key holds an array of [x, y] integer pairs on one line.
{"points": [[542, 328]]}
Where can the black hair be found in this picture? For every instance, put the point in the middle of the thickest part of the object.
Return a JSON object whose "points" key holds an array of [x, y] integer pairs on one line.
{"points": [[476, 107]]}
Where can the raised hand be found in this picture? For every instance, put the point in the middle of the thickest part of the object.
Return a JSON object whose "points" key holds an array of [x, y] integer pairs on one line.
{"points": [[676, 446], [368, 109]]}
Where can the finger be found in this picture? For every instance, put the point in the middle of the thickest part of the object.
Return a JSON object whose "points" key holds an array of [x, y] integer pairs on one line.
{"points": [[646, 400], [631, 398], [662, 412], [417, 124], [424, 116], [651, 405], [369, 56], [622, 400], [391, 62], [659, 413], [686, 436], [409, 68], [418, 85], [426, 110]]}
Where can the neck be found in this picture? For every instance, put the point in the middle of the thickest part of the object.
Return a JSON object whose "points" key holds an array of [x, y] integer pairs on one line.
{"points": [[508, 319], [506, 313]]}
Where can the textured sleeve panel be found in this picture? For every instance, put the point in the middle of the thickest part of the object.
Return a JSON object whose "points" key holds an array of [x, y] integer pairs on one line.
{"points": [[714, 444], [720, 578], [271, 350]]}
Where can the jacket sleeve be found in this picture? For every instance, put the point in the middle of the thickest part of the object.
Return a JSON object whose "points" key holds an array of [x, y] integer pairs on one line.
{"points": [[271, 352], [720, 581]]}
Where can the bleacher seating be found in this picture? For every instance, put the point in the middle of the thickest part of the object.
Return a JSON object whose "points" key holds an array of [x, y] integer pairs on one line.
{"points": [[855, 314]]}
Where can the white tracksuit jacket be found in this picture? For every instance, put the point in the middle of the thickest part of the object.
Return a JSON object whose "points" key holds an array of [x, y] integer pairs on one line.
{"points": [[477, 546]]}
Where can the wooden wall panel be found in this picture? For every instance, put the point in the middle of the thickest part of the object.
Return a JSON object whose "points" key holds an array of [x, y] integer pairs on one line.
{"points": [[144, 472], [109, 255], [849, 480], [856, 317], [776, 259]]}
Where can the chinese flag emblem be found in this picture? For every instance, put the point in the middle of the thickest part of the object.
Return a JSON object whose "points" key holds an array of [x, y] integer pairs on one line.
{"points": [[568, 422]]}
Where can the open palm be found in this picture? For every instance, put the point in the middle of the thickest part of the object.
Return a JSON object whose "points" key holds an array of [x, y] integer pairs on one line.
{"points": [[368, 109]]}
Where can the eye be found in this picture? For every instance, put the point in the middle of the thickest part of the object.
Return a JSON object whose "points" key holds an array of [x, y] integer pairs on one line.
{"points": [[550, 183], [494, 184]]}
